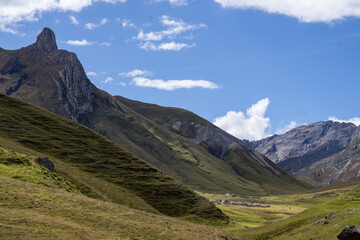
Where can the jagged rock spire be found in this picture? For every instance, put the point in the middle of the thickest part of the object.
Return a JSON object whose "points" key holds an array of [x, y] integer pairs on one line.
{"points": [[46, 40]]}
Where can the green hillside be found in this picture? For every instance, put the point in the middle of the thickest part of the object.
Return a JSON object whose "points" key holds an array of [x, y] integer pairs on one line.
{"points": [[265, 176], [97, 167], [38, 204]]}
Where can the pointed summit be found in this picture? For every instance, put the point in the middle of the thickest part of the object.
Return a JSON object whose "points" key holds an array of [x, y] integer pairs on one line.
{"points": [[46, 40]]}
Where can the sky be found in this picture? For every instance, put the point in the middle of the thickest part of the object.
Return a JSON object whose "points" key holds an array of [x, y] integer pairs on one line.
{"points": [[252, 67]]}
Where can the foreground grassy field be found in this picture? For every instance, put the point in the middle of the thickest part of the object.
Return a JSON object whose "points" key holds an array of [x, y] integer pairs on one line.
{"points": [[37, 204]]}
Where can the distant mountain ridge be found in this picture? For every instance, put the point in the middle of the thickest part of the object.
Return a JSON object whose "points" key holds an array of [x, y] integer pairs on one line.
{"points": [[321, 153], [200, 157]]}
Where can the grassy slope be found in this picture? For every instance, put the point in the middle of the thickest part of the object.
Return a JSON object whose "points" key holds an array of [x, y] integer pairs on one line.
{"points": [[37, 204], [86, 154], [174, 155], [256, 180]]}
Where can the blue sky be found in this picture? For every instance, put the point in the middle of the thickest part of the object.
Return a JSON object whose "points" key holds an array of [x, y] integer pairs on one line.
{"points": [[257, 67]]}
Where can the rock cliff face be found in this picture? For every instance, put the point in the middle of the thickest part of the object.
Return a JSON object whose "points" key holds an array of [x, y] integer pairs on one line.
{"points": [[26, 73], [220, 143], [320, 153]]}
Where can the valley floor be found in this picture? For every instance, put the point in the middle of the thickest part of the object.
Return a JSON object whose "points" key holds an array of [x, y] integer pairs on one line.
{"points": [[321, 213]]}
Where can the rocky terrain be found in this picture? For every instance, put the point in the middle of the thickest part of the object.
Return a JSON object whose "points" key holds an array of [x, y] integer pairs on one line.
{"points": [[321, 153], [205, 158]]}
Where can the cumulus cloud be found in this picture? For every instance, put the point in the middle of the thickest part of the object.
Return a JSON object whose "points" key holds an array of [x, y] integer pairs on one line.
{"points": [[122, 84], [135, 73], [173, 28], [74, 20], [91, 26], [83, 42], [303, 10], [170, 46], [287, 127], [171, 85], [15, 12], [108, 80], [93, 74], [354, 120], [251, 125]]}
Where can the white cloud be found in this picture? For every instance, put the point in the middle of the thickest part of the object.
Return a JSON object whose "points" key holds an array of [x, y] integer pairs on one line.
{"points": [[91, 26], [125, 23], [108, 80], [171, 85], [251, 126], [83, 42], [174, 2], [354, 120], [122, 84], [135, 73], [303, 10], [74, 20], [14, 12], [287, 127], [93, 74], [170, 46], [173, 26]]}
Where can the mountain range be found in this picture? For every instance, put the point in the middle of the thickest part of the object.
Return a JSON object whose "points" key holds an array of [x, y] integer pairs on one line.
{"points": [[319, 154]]}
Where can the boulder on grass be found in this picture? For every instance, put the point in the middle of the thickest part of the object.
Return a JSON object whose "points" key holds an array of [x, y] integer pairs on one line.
{"points": [[350, 233]]}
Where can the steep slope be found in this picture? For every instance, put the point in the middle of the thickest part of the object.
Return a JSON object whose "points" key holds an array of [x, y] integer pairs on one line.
{"points": [[321, 153], [54, 79], [245, 161], [38, 204], [87, 153]]}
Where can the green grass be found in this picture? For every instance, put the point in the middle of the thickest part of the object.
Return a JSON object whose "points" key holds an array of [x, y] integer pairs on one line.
{"points": [[91, 162]]}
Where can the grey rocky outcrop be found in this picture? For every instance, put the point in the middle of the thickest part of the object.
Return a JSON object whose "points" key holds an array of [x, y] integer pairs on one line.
{"points": [[74, 89], [220, 143], [349, 233], [46, 163], [46, 40]]}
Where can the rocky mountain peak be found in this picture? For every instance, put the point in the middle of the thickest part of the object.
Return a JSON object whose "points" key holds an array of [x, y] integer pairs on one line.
{"points": [[46, 40]]}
